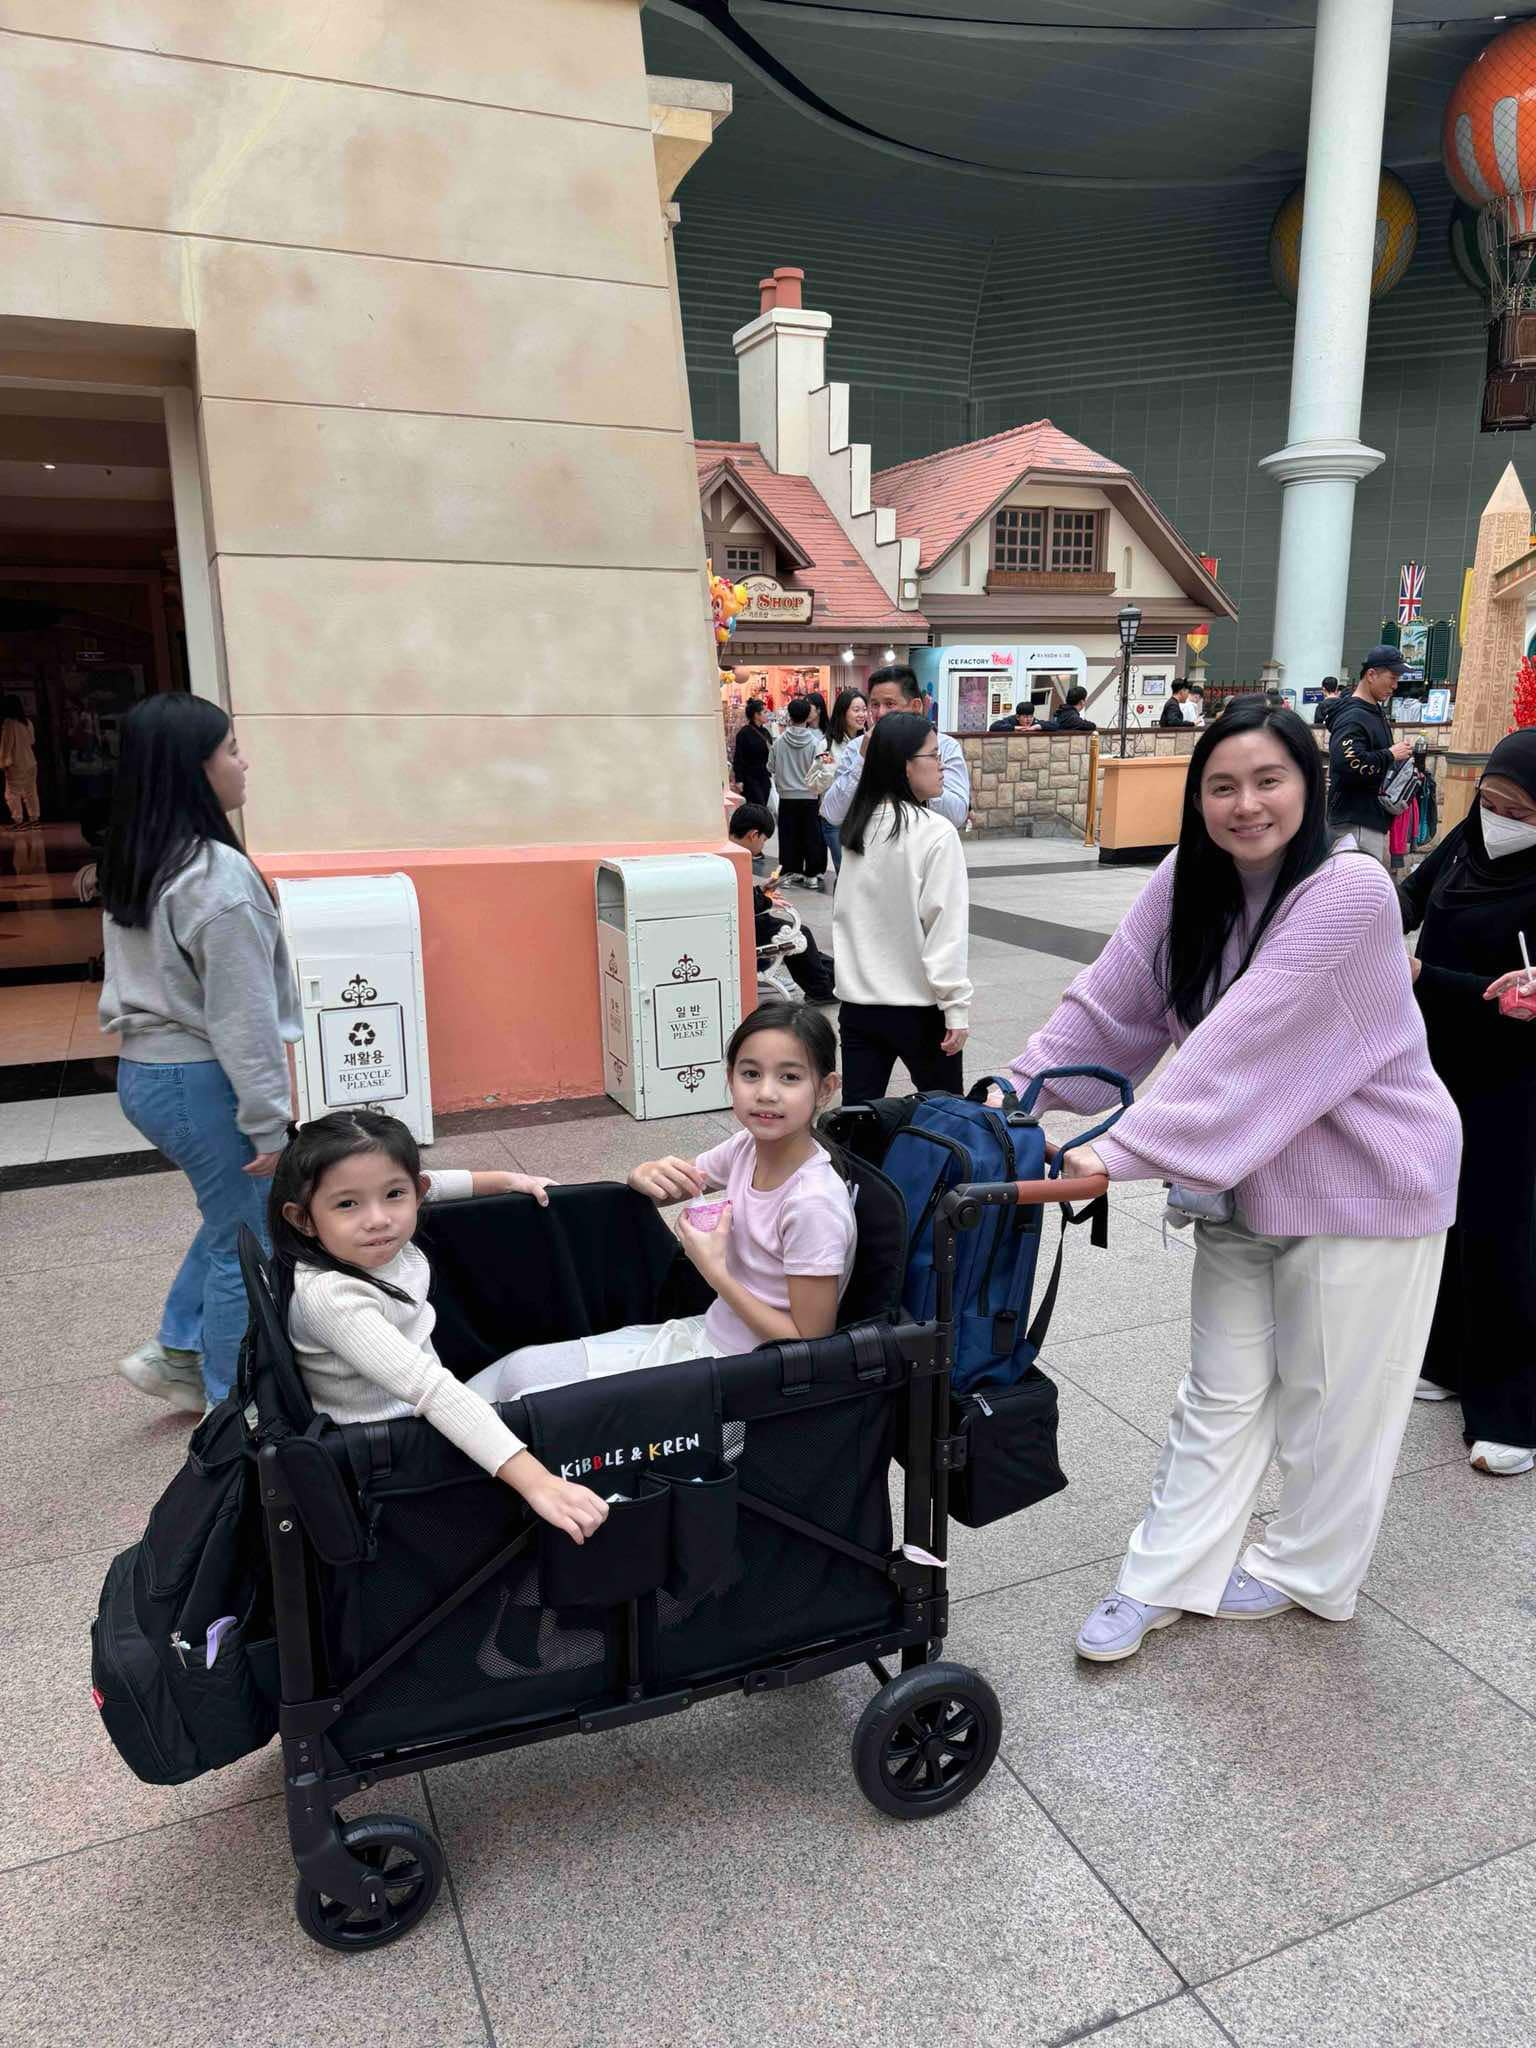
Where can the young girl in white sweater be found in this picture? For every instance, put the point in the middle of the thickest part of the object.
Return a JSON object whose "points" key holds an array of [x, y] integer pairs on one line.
{"points": [[901, 921], [343, 1216]]}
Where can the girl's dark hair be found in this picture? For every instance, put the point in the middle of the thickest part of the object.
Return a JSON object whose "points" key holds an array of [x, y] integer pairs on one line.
{"points": [[1207, 889], [312, 1150], [11, 706], [755, 707], [837, 728], [817, 1039], [822, 716], [802, 1022], [888, 747], [163, 806]]}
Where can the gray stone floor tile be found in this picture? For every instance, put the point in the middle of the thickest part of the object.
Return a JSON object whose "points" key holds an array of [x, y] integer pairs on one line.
{"points": [[1453, 1965], [1179, 2023], [73, 1322], [1109, 1467], [81, 1467], [149, 1215], [1243, 1785], [1132, 1284], [62, 1785], [608, 1148], [187, 1935], [1457, 1561], [717, 1878], [1137, 1374]]}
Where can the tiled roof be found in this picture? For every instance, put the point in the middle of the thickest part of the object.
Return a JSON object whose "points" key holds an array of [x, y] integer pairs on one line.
{"points": [[942, 496], [848, 596]]}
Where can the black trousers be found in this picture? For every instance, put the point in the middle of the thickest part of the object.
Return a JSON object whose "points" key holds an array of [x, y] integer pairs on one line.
{"points": [[1483, 1339], [876, 1035], [802, 850]]}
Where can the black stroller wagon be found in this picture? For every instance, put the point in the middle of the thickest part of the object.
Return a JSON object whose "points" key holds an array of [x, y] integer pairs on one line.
{"points": [[421, 1616]]}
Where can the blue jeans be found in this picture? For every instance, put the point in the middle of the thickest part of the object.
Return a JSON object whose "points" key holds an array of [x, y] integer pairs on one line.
{"points": [[188, 1112], [833, 835]]}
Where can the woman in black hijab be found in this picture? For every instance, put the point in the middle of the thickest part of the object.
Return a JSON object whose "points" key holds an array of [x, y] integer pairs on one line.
{"points": [[1474, 896]]}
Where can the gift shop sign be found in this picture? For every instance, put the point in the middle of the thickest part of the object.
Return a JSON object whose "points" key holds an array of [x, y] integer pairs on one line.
{"points": [[770, 604]]}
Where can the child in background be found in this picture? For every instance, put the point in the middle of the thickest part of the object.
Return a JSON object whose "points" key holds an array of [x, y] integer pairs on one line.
{"points": [[343, 1211], [777, 1251]]}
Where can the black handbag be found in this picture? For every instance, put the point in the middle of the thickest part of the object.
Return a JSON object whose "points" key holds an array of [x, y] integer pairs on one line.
{"points": [[1008, 1458]]}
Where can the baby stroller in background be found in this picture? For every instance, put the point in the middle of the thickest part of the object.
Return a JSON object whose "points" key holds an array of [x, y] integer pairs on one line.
{"points": [[790, 963], [407, 1611]]}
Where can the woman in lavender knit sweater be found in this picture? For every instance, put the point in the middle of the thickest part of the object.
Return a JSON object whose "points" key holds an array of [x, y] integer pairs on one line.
{"points": [[1312, 1304]]}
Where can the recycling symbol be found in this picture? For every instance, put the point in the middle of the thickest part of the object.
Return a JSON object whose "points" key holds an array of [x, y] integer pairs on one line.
{"points": [[361, 1033]]}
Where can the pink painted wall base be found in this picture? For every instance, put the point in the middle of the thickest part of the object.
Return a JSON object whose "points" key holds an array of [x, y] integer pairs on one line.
{"points": [[510, 963]]}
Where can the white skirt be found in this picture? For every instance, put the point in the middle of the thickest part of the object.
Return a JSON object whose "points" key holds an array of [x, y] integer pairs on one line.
{"points": [[631, 1349]]}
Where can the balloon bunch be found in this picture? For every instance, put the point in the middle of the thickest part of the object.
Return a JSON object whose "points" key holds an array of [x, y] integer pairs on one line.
{"points": [[725, 601]]}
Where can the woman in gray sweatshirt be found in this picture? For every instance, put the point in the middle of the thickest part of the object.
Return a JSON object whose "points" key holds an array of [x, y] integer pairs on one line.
{"points": [[201, 989]]}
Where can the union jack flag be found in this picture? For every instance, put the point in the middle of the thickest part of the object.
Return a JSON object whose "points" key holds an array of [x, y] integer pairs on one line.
{"points": [[1410, 593]]}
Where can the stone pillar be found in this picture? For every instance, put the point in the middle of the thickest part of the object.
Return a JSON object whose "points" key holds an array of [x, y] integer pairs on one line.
{"points": [[685, 112], [1323, 459]]}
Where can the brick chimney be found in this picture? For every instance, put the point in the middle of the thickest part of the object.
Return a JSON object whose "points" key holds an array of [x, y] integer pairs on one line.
{"points": [[781, 358]]}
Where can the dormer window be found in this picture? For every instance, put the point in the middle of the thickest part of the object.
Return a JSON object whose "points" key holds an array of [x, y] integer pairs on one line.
{"points": [[741, 562], [1043, 538], [1019, 538]]}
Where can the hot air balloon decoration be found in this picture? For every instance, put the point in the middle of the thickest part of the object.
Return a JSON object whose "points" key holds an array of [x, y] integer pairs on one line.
{"points": [[1397, 235], [1489, 147]]}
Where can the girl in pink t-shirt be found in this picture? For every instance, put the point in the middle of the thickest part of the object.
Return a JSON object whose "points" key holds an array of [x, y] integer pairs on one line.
{"points": [[777, 1249]]}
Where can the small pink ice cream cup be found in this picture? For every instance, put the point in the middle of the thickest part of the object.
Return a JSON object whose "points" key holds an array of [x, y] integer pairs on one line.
{"points": [[705, 1216]]}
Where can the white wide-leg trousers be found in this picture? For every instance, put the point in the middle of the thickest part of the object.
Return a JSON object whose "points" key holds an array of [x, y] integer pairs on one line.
{"points": [[1302, 1348]]}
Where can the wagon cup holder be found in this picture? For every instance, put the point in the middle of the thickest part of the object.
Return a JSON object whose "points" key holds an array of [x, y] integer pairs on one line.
{"points": [[672, 1525], [703, 1490], [624, 1558]]}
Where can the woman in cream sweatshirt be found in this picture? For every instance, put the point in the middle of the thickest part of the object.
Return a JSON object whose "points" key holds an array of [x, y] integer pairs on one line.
{"points": [[901, 920]]}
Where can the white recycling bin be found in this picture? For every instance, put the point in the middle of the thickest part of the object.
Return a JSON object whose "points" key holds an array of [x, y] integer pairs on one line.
{"points": [[356, 946], [668, 967]]}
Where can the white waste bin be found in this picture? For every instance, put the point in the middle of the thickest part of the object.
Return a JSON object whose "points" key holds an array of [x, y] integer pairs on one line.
{"points": [[668, 966], [356, 946]]}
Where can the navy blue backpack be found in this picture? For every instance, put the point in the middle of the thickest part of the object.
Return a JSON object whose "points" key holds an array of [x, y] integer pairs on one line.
{"points": [[948, 1143], [1001, 1452]]}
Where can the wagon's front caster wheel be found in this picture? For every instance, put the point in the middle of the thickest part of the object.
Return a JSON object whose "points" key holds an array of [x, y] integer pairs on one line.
{"points": [[926, 1740], [409, 1864]]}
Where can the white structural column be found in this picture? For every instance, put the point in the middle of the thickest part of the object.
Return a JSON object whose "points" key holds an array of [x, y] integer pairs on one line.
{"points": [[1323, 459]]}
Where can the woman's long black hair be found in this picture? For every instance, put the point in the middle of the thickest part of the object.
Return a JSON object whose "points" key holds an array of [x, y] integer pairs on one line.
{"points": [[815, 697], [888, 747], [1207, 890], [163, 806], [837, 729], [312, 1150]]}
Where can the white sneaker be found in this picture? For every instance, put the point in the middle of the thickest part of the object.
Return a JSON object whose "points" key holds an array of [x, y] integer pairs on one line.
{"points": [[1431, 1390], [172, 1376], [1116, 1626], [1503, 1459], [1249, 1599]]}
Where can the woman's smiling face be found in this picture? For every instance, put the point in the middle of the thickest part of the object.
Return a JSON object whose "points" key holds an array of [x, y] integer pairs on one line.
{"points": [[1252, 797]]}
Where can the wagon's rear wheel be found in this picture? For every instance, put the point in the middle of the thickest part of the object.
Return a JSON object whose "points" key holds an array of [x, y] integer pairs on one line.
{"points": [[409, 1865], [926, 1740]]}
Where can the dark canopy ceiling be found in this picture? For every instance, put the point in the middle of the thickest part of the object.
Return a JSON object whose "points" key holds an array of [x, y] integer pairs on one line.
{"points": [[968, 107]]}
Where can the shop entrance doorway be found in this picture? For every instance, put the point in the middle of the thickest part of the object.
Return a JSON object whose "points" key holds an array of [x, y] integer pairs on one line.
{"points": [[91, 623]]}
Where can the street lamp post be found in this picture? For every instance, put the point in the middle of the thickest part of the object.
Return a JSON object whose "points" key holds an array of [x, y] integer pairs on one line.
{"points": [[1130, 626]]}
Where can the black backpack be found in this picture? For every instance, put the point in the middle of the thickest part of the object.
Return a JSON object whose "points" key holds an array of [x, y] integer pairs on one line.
{"points": [[177, 1697]]}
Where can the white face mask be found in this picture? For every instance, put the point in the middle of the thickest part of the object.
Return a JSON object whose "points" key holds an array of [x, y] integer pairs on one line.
{"points": [[1503, 836]]}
